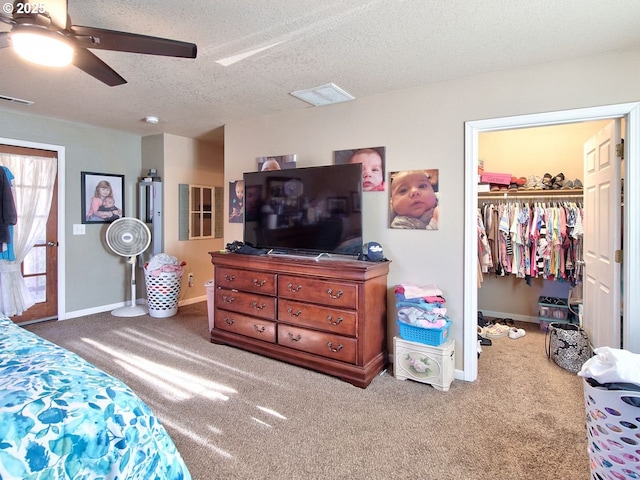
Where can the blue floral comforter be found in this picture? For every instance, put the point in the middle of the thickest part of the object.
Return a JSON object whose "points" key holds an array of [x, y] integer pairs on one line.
{"points": [[62, 418]]}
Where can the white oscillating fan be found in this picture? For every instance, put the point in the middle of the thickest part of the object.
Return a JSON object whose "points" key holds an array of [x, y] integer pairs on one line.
{"points": [[129, 237]]}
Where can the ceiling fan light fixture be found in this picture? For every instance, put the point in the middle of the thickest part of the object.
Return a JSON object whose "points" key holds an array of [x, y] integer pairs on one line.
{"points": [[42, 47]]}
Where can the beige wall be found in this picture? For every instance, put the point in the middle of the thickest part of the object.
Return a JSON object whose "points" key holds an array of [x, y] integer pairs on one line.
{"points": [[424, 128], [189, 161]]}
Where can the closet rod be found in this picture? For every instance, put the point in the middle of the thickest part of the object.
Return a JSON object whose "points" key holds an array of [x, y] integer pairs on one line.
{"points": [[530, 196]]}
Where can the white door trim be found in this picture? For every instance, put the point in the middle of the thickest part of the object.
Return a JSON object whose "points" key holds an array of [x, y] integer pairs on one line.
{"points": [[631, 270], [61, 212]]}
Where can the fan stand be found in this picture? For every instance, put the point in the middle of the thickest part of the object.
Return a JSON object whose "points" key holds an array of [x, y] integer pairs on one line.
{"points": [[131, 310]]}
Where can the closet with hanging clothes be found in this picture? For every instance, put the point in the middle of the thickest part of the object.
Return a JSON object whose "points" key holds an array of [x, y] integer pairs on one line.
{"points": [[533, 232]]}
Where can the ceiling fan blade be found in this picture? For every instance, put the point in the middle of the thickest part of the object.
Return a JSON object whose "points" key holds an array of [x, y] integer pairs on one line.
{"points": [[4, 39], [101, 39], [89, 63], [7, 19]]}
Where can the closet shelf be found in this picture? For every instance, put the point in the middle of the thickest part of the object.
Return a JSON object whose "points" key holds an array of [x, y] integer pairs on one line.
{"points": [[538, 194]]}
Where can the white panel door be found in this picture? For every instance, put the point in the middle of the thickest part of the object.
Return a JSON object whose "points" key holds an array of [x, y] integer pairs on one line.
{"points": [[602, 234]]}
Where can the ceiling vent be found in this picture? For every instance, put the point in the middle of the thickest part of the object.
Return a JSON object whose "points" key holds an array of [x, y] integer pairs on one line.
{"points": [[323, 95], [15, 100]]}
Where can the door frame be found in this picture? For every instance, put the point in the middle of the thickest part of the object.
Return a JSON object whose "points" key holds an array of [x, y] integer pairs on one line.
{"points": [[631, 270], [61, 213]]}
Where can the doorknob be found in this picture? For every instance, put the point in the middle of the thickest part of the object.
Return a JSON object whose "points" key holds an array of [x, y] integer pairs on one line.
{"points": [[52, 244]]}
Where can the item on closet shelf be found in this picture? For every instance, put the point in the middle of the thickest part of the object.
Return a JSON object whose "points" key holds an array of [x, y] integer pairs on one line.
{"points": [[567, 345], [534, 182], [499, 178], [577, 183], [516, 333], [484, 187], [547, 181]]}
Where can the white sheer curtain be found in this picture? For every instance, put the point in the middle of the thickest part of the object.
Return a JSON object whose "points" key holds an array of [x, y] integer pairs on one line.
{"points": [[32, 189]]}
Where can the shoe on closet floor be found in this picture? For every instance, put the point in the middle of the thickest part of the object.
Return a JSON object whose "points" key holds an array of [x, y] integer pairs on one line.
{"points": [[496, 330], [516, 333]]}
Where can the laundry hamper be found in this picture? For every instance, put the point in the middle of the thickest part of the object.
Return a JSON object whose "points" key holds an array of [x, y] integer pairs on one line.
{"points": [[613, 429], [163, 291]]}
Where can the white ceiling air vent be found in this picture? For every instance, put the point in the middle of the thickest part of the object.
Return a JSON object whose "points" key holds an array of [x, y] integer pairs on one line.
{"points": [[15, 100], [323, 95]]}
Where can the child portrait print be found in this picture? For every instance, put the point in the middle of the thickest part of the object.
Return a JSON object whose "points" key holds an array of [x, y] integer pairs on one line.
{"points": [[102, 197], [413, 199]]}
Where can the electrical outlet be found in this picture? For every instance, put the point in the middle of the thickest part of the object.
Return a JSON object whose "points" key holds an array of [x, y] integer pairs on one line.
{"points": [[190, 277]]}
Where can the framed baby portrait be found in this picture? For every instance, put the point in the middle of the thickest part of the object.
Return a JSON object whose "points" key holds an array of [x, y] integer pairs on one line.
{"points": [[373, 164], [102, 197], [413, 199]]}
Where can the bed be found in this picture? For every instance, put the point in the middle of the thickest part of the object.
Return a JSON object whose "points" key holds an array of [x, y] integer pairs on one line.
{"points": [[62, 418]]}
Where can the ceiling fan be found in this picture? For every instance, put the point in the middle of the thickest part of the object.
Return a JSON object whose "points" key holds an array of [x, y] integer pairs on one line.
{"points": [[34, 24]]}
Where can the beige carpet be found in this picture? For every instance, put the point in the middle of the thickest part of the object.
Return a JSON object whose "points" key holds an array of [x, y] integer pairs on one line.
{"points": [[233, 414]]}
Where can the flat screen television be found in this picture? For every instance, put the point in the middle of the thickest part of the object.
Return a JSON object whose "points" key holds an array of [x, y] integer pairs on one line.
{"points": [[310, 210]]}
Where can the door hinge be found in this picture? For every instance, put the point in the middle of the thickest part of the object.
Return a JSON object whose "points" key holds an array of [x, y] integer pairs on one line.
{"points": [[620, 149], [618, 256]]}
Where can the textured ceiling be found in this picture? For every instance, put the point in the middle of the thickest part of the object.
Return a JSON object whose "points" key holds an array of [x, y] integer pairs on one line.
{"points": [[365, 47]]}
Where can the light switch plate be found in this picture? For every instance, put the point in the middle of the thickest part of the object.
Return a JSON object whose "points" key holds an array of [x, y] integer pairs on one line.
{"points": [[78, 229]]}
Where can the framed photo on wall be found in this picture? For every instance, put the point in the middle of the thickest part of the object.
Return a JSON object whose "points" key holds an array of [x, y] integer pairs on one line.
{"points": [[102, 197]]}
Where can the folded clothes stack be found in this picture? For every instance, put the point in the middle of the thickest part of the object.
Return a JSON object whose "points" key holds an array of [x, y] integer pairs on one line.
{"points": [[421, 306]]}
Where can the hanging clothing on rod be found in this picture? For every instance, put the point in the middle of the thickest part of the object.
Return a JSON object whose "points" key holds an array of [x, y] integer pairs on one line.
{"points": [[531, 239]]}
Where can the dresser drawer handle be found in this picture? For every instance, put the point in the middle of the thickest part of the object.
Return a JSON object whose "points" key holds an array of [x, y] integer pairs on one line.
{"points": [[226, 299], [337, 295], [259, 328], [294, 289], [229, 321], [331, 322], [294, 314], [229, 278], [258, 307], [334, 350], [297, 338], [259, 283]]}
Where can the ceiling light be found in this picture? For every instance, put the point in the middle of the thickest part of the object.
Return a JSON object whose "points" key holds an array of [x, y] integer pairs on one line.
{"points": [[41, 46], [151, 119], [323, 95]]}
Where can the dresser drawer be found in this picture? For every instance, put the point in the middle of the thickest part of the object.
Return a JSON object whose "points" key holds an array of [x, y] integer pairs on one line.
{"points": [[325, 292], [249, 303], [335, 347], [246, 281], [245, 325], [342, 322]]}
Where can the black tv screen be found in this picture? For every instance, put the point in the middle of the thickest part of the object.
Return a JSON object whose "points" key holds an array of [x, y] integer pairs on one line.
{"points": [[309, 210]]}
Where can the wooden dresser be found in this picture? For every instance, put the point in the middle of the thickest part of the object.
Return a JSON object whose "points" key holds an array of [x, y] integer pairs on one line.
{"points": [[328, 315]]}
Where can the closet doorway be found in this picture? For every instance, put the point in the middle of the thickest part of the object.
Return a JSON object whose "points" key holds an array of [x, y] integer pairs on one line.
{"points": [[631, 113], [531, 153]]}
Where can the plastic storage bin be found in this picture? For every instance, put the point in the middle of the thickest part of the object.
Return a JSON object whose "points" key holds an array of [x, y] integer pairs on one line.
{"points": [[163, 291], [613, 420], [210, 287], [428, 336]]}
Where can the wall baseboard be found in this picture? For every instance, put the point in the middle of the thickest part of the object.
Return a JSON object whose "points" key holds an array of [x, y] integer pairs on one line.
{"points": [[516, 317]]}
